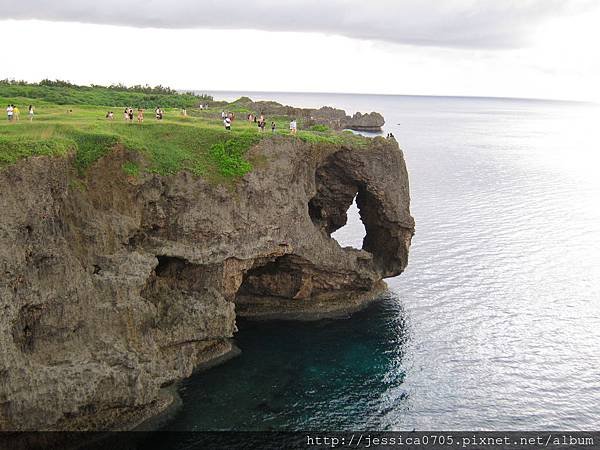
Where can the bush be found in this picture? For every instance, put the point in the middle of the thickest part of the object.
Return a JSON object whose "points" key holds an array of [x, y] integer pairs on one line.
{"points": [[91, 147], [319, 128], [229, 156], [65, 93]]}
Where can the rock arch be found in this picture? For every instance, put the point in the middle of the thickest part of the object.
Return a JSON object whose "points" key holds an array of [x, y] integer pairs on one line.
{"points": [[338, 183]]}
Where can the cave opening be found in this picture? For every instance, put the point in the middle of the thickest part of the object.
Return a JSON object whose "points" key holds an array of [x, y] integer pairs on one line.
{"points": [[282, 277], [353, 232], [345, 208]]}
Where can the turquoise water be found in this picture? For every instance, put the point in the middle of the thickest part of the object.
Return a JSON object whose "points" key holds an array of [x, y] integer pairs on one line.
{"points": [[496, 322], [303, 375]]}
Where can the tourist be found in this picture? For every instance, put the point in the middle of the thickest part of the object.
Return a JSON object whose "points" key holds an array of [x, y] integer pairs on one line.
{"points": [[293, 126], [126, 114], [262, 124], [140, 115], [31, 112], [227, 123], [17, 113], [272, 127], [9, 112], [130, 112]]}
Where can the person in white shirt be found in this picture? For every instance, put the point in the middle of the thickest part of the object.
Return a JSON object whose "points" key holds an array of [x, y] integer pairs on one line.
{"points": [[227, 123], [293, 126], [10, 112]]}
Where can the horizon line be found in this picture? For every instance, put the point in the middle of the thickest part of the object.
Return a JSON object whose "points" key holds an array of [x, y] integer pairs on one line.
{"points": [[488, 97]]}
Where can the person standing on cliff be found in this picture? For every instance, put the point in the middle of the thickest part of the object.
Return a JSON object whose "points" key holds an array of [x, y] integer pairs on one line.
{"points": [[293, 126], [227, 123], [272, 127]]}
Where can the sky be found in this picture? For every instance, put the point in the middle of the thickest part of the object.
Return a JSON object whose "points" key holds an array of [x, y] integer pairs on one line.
{"points": [[503, 48]]}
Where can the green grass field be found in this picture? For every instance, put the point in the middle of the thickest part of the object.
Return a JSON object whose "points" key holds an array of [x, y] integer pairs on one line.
{"points": [[197, 143]]}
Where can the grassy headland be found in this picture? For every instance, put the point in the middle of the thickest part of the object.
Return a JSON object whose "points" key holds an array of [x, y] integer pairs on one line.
{"points": [[72, 119]]}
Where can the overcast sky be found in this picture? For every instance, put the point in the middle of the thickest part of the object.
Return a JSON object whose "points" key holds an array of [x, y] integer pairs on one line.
{"points": [[521, 48]]}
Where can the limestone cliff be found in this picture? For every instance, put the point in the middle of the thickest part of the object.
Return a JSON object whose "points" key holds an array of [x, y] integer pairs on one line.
{"points": [[112, 288]]}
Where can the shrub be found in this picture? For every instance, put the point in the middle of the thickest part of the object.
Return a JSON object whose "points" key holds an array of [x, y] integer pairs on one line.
{"points": [[319, 128], [91, 147], [229, 156]]}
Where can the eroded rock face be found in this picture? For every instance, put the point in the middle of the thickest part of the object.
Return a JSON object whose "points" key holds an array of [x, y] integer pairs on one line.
{"points": [[334, 118], [114, 288], [366, 122]]}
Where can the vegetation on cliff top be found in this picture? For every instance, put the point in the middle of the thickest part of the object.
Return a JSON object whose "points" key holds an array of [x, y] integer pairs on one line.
{"points": [[64, 93], [72, 119]]}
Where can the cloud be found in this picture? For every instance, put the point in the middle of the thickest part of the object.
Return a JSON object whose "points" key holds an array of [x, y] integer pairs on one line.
{"points": [[448, 23]]}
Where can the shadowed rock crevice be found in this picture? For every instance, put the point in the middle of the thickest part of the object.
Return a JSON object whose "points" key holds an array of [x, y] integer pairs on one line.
{"points": [[285, 277], [26, 328], [335, 193], [291, 286]]}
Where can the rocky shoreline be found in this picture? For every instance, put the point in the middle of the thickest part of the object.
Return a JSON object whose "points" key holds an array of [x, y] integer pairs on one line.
{"points": [[115, 288], [333, 118]]}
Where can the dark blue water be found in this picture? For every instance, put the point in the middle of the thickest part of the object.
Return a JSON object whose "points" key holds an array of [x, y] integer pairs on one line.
{"points": [[496, 322], [303, 375]]}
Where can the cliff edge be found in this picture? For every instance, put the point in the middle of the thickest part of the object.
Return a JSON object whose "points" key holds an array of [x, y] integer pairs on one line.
{"points": [[114, 287]]}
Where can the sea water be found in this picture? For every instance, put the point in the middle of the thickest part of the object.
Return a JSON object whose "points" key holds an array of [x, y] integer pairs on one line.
{"points": [[495, 324]]}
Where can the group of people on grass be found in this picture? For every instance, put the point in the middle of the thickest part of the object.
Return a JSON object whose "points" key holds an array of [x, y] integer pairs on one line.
{"points": [[129, 115], [260, 121], [13, 113]]}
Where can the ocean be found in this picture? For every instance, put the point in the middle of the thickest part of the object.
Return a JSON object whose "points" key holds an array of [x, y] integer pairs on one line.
{"points": [[495, 324]]}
